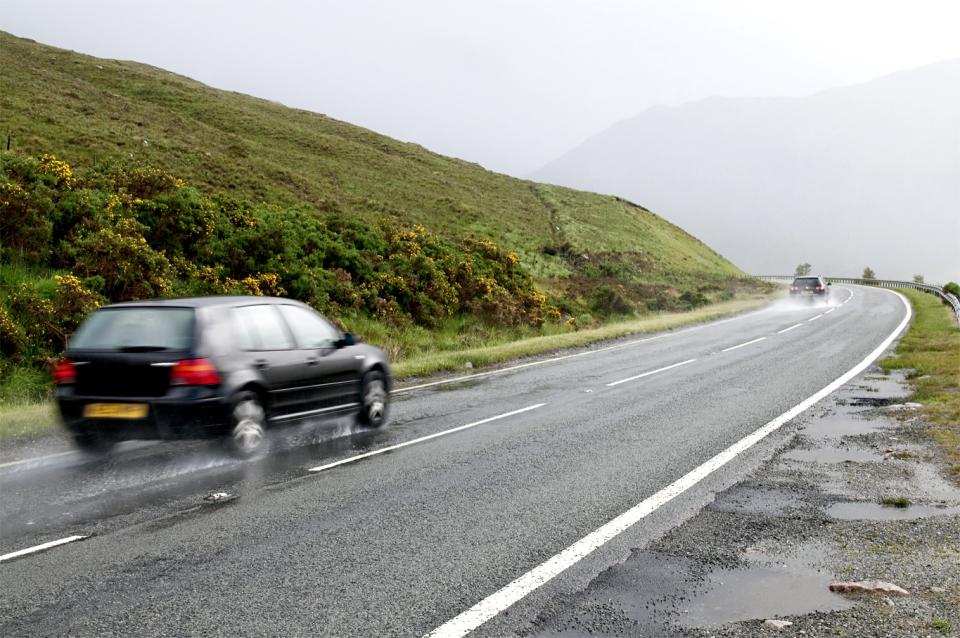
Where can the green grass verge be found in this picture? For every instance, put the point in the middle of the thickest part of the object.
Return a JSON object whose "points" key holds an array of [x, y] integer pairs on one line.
{"points": [[931, 349], [895, 501], [30, 419], [27, 421]]}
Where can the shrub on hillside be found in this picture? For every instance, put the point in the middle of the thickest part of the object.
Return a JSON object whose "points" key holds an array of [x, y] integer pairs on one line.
{"points": [[693, 299], [610, 300], [13, 338], [133, 233], [26, 228], [46, 318], [118, 254]]}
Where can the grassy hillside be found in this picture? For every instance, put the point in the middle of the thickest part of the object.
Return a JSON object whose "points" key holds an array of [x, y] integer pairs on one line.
{"points": [[126, 181], [86, 110]]}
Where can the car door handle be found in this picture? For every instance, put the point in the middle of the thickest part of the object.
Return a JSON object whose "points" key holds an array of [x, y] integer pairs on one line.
{"points": [[261, 363], [312, 361]]}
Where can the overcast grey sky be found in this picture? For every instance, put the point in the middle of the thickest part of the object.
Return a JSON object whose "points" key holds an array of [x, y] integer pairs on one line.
{"points": [[508, 84]]}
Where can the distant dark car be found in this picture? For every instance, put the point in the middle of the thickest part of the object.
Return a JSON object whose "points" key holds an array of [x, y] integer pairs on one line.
{"points": [[225, 367], [814, 288]]}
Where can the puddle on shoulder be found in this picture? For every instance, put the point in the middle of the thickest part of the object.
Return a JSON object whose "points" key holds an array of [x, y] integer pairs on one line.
{"points": [[832, 455], [771, 586]]}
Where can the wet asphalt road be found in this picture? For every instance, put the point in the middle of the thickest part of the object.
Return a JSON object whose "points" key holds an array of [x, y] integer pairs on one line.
{"points": [[399, 543]]}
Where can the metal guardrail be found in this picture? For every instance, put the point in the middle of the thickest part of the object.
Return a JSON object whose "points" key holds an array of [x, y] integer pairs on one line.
{"points": [[948, 298]]}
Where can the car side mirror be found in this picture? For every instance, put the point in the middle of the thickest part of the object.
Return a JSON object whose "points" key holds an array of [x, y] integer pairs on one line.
{"points": [[347, 340]]}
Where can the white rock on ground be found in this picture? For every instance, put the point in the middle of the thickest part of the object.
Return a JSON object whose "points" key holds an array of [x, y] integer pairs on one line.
{"points": [[777, 624]]}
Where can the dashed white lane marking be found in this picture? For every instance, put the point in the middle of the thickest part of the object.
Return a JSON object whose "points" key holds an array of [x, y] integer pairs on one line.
{"points": [[40, 548], [647, 374], [796, 325], [36, 459], [815, 318], [615, 346], [479, 375], [366, 455], [741, 345], [492, 605]]}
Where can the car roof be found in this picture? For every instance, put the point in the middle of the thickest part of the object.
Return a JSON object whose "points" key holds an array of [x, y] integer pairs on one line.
{"points": [[203, 302]]}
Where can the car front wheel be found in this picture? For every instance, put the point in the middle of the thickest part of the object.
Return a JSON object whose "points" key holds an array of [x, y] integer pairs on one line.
{"points": [[374, 400], [248, 436]]}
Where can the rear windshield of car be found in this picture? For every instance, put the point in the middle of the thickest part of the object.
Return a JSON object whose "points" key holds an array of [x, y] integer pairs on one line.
{"points": [[806, 281], [140, 329]]}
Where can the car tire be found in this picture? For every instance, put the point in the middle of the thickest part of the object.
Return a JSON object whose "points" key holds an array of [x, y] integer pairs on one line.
{"points": [[94, 444], [374, 400], [247, 437]]}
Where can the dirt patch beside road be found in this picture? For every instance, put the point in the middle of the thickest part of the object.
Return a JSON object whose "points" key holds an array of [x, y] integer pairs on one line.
{"points": [[859, 494]]}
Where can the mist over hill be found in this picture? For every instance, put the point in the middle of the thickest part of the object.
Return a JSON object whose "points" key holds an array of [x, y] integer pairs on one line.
{"points": [[866, 175]]}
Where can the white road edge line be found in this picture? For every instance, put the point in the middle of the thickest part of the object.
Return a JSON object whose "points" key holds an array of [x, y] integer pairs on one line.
{"points": [[492, 605], [743, 344], [796, 325], [352, 459], [815, 318], [647, 374], [36, 458], [40, 548], [829, 311]]}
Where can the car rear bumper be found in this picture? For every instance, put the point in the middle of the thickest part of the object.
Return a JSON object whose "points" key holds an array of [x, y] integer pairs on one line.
{"points": [[195, 414]]}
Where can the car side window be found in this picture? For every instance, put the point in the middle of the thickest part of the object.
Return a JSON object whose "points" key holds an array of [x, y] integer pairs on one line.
{"points": [[261, 328], [308, 328]]}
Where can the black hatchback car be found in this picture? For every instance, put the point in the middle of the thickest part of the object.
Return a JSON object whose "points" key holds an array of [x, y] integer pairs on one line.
{"points": [[814, 288], [225, 367]]}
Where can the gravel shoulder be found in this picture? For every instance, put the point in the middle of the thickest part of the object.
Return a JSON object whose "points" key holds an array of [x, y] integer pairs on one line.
{"points": [[858, 494]]}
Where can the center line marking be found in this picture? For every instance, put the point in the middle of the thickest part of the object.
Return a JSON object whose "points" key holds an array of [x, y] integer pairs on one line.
{"points": [[616, 346], [40, 548], [352, 459], [815, 318], [742, 344], [796, 325], [546, 571], [647, 374]]}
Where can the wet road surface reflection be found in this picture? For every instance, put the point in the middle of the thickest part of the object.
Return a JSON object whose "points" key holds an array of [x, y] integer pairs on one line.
{"points": [[144, 480]]}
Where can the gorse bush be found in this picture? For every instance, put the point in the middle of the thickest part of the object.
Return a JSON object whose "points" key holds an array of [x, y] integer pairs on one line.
{"points": [[123, 234]]}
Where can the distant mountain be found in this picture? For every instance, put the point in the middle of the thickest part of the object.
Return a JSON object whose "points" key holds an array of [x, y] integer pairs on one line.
{"points": [[866, 175]]}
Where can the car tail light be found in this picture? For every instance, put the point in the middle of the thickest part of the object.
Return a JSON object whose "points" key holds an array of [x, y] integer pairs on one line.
{"points": [[194, 372], [819, 288], [64, 372]]}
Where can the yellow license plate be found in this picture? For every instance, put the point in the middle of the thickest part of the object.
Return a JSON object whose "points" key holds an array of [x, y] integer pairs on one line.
{"points": [[115, 411]]}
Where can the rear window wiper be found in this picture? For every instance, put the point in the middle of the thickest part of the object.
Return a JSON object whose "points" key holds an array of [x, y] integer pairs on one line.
{"points": [[142, 348]]}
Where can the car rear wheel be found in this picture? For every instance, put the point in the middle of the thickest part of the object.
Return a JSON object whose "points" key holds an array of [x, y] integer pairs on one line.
{"points": [[248, 436], [94, 444], [374, 400]]}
